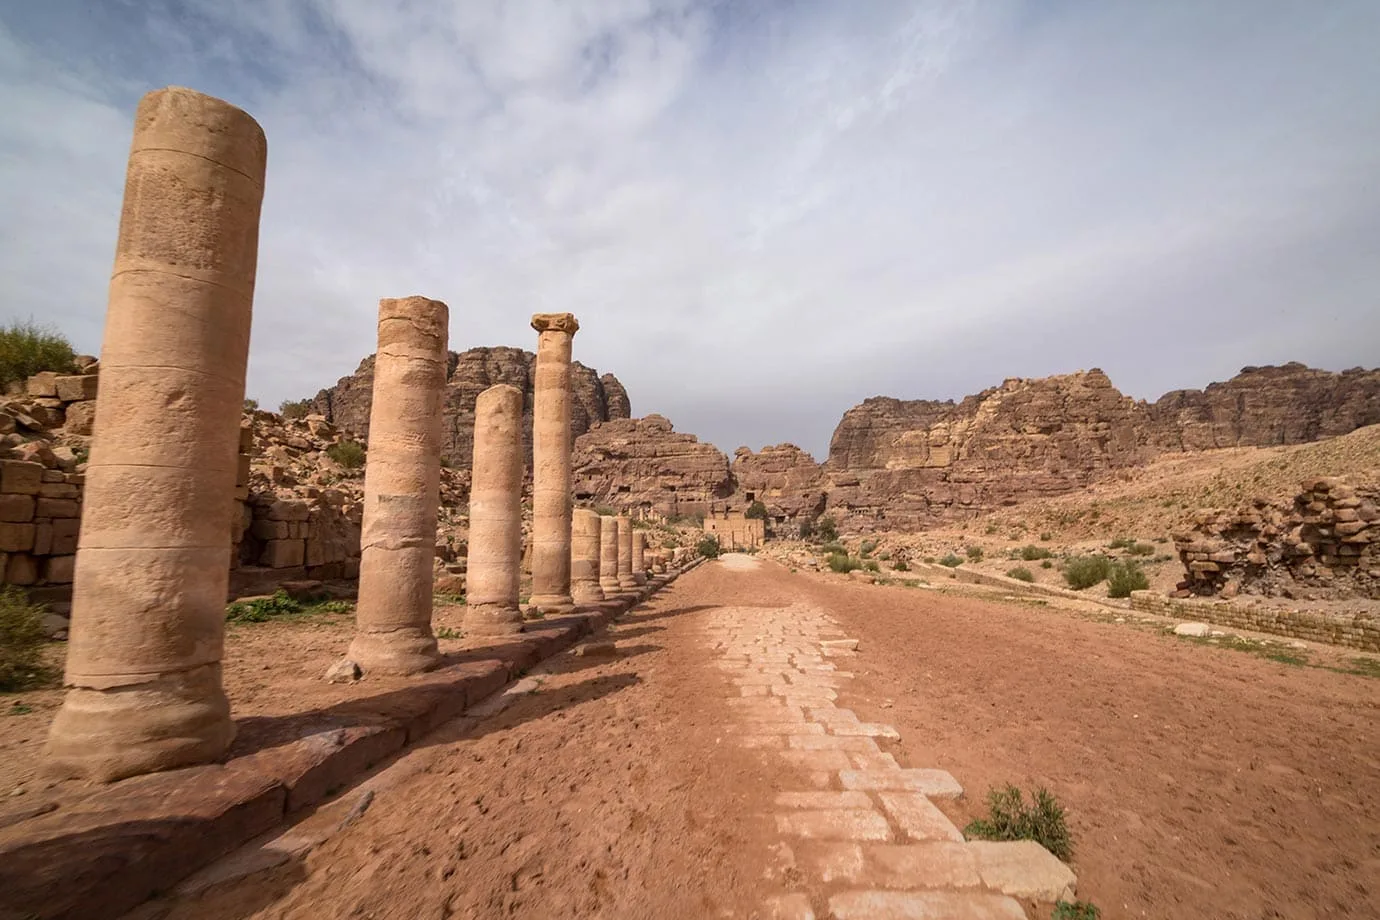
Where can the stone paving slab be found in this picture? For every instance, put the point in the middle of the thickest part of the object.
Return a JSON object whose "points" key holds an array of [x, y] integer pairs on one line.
{"points": [[107, 852], [943, 864], [934, 783], [834, 824], [1023, 869], [917, 817], [823, 800], [923, 905]]}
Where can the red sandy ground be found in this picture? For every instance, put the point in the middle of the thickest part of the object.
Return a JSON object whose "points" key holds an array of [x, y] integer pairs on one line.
{"points": [[1199, 781]]}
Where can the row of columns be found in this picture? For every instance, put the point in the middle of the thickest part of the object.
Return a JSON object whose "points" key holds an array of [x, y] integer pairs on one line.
{"points": [[148, 607]]}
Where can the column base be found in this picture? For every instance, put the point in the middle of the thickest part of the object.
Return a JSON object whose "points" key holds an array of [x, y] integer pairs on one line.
{"points": [[171, 721], [610, 586], [411, 650], [587, 593], [627, 583], [640, 578], [551, 603], [491, 620]]}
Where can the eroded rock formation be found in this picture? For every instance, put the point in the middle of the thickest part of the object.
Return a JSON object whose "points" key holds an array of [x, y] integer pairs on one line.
{"points": [[645, 463], [593, 398]]}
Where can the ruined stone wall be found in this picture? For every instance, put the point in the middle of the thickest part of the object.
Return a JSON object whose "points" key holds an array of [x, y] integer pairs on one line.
{"points": [[1325, 544], [734, 530], [1358, 630]]}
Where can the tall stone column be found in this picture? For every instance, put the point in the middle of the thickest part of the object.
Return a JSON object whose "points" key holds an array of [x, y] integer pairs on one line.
{"points": [[639, 556], [402, 489], [551, 483], [493, 572], [585, 535], [152, 569], [625, 545], [608, 555]]}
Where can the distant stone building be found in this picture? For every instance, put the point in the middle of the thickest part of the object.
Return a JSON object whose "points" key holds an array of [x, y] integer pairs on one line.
{"points": [[734, 529]]}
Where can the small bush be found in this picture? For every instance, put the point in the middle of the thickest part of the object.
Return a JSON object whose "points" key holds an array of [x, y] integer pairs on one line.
{"points": [[826, 529], [1075, 910], [1085, 571], [1046, 536], [991, 529], [807, 528], [1030, 552], [1009, 818], [1020, 573], [756, 510], [1121, 543], [868, 546], [951, 561], [294, 408], [262, 609], [834, 547], [930, 560], [708, 547], [27, 348], [901, 565], [251, 405], [872, 566], [1047, 564], [349, 454], [21, 641], [1141, 549], [843, 563], [974, 553], [1125, 578]]}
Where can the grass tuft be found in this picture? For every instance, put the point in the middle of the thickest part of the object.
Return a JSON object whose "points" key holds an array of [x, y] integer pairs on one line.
{"points": [[1010, 818]]}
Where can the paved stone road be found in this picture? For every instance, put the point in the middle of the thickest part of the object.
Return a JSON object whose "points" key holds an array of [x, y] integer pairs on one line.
{"points": [[861, 828]]}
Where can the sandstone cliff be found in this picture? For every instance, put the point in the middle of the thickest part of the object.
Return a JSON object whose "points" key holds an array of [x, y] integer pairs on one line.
{"points": [[784, 478], [645, 463], [596, 399]]}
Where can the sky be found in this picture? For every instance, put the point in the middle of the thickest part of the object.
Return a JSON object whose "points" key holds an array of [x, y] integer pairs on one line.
{"points": [[761, 212]]}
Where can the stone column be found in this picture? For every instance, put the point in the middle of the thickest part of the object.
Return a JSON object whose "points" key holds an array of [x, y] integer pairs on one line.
{"points": [[639, 556], [625, 545], [551, 504], [584, 557], [402, 489], [152, 568], [493, 572], [608, 555]]}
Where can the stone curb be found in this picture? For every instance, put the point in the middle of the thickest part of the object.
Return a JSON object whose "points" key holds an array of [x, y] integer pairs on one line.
{"points": [[106, 854]]}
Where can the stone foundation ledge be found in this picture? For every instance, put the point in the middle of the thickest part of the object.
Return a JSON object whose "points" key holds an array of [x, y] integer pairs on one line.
{"points": [[115, 847], [1359, 630], [973, 577]]}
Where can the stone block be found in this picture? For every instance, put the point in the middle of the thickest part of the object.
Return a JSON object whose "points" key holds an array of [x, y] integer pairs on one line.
{"points": [[1023, 869], [16, 538], [848, 744], [43, 538], [20, 477], [934, 783], [242, 470], [283, 554], [59, 490], [923, 905], [73, 389], [58, 508], [81, 418], [21, 569], [288, 511], [58, 570], [824, 800], [834, 824], [65, 534], [264, 529], [16, 509], [44, 383], [918, 818], [888, 865]]}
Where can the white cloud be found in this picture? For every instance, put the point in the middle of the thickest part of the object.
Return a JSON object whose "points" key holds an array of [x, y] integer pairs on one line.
{"points": [[761, 213]]}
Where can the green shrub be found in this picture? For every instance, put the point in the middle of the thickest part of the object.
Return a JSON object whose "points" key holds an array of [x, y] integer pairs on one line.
{"points": [[1075, 910], [872, 566], [991, 529], [756, 510], [930, 560], [901, 565], [262, 609], [1046, 536], [826, 529], [867, 548], [294, 408], [833, 547], [807, 528], [349, 454], [1121, 543], [1020, 574], [1141, 549], [951, 561], [251, 405], [21, 641], [1030, 552], [1085, 571], [1047, 564], [708, 547], [1126, 577], [974, 553], [841, 562], [1009, 818], [27, 348]]}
